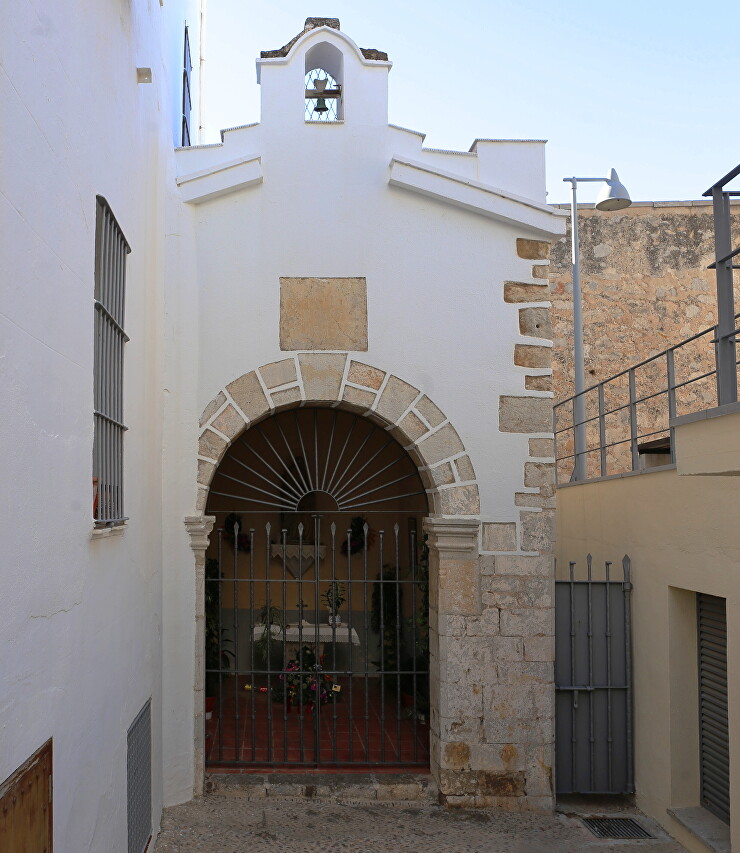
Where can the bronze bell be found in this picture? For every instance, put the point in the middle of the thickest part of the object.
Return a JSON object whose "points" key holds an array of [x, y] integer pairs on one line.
{"points": [[321, 106]]}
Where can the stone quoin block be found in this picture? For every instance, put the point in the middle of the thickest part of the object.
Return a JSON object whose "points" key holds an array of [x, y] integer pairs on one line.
{"points": [[533, 499], [205, 472], [538, 531], [535, 322], [539, 473], [536, 566], [525, 414], [518, 291], [540, 270], [397, 396], [464, 468], [538, 383], [412, 427], [323, 314], [212, 408], [440, 445], [527, 355], [364, 374], [532, 250], [499, 536], [459, 588], [211, 445], [248, 395], [286, 396], [431, 413], [279, 373], [229, 422], [322, 374], [442, 475], [359, 397], [542, 447], [459, 500]]}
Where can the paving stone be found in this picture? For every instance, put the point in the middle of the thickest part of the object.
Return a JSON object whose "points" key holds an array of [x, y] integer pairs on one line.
{"points": [[218, 823]]}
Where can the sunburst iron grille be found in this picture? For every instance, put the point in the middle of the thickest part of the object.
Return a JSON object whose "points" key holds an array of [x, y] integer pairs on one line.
{"points": [[294, 458]]}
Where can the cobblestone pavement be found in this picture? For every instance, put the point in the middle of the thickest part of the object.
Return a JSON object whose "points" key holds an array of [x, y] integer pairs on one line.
{"points": [[227, 824]]}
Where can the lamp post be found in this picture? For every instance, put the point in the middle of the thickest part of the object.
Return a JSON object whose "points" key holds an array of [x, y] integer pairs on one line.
{"points": [[613, 196]]}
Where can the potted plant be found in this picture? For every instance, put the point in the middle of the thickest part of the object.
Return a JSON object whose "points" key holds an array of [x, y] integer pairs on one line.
{"points": [[334, 598], [218, 655]]}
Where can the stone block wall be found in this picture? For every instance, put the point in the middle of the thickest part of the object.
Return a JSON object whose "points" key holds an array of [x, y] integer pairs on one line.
{"points": [[645, 285], [492, 608]]}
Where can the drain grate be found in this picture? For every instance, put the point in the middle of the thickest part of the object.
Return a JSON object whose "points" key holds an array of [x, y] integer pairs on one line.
{"points": [[616, 827]]}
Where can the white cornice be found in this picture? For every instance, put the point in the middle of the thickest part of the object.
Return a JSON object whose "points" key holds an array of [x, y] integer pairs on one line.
{"points": [[220, 179], [477, 197]]}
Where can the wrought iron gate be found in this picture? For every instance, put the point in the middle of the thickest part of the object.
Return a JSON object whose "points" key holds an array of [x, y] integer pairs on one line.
{"points": [[317, 598], [593, 678]]}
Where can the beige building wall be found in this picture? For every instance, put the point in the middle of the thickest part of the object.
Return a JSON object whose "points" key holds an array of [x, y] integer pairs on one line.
{"points": [[680, 532]]}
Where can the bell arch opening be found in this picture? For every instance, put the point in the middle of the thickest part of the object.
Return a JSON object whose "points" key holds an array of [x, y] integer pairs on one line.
{"points": [[317, 597]]}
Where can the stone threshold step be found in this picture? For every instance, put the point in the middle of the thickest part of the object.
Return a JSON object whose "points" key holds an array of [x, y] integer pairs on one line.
{"points": [[335, 787]]}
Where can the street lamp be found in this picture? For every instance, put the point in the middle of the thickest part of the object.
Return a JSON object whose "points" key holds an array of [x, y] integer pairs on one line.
{"points": [[613, 196]]}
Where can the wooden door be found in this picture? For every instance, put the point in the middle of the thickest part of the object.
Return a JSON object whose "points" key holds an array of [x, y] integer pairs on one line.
{"points": [[26, 823]]}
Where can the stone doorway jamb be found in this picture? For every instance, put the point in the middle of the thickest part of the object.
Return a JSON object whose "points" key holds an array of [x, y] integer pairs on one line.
{"points": [[199, 527], [454, 592]]}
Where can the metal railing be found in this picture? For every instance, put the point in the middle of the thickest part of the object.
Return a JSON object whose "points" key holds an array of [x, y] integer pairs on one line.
{"points": [[627, 420], [628, 416]]}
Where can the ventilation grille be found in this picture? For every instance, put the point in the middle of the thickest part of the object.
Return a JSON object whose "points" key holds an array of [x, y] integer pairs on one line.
{"points": [[139, 770], [616, 827]]}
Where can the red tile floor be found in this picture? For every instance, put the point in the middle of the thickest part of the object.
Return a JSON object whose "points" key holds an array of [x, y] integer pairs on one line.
{"points": [[351, 732]]}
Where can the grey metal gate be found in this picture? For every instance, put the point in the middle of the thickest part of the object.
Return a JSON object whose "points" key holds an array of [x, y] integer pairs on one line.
{"points": [[593, 682], [714, 733]]}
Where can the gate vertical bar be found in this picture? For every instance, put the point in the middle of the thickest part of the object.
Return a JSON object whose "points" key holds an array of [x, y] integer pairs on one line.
{"points": [[268, 628], [396, 528], [381, 576], [219, 588], [300, 639], [351, 650], [284, 542], [413, 642], [235, 624], [334, 673], [627, 587], [591, 740], [317, 673], [609, 736], [367, 680], [573, 671], [251, 633]]}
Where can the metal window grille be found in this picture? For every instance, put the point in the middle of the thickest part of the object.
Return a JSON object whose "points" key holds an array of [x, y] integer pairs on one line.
{"points": [[186, 101], [713, 722], [139, 780], [111, 249]]}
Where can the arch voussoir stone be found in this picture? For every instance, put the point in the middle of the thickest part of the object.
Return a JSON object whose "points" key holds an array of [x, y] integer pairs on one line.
{"points": [[329, 378]]}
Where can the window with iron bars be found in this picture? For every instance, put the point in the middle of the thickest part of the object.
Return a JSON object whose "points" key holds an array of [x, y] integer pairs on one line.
{"points": [[111, 249], [186, 102]]}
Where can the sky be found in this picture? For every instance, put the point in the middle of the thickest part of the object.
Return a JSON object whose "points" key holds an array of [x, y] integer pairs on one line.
{"points": [[648, 87]]}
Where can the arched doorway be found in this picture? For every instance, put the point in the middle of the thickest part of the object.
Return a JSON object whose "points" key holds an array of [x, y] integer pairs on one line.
{"points": [[317, 638]]}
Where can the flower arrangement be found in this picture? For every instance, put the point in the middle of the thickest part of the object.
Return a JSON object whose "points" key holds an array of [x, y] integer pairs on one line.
{"points": [[334, 597], [304, 682]]}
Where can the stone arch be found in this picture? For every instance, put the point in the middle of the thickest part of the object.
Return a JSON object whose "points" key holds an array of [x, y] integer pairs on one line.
{"points": [[334, 379], [425, 432]]}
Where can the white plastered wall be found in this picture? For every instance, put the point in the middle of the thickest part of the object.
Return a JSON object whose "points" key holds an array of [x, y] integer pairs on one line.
{"points": [[80, 620]]}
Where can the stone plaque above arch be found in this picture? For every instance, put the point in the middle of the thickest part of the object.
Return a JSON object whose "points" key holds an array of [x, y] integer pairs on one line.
{"points": [[323, 314]]}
